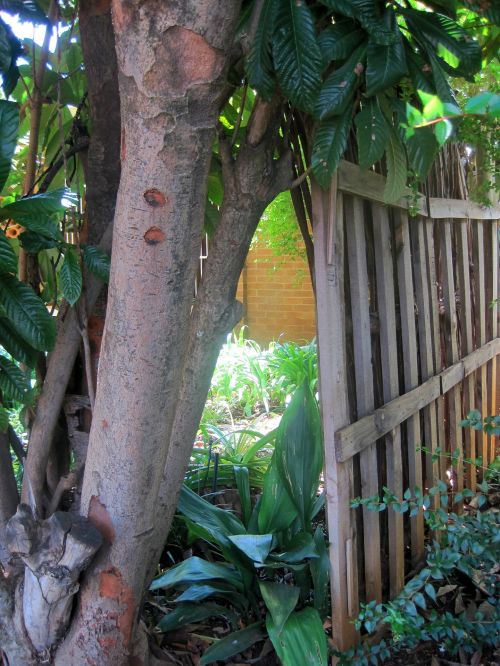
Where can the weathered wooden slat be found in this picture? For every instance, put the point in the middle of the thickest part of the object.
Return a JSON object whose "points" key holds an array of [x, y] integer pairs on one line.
{"points": [[494, 325], [491, 289], [329, 271], [354, 438], [461, 209], [410, 360], [465, 318], [480, 321], [390, 383], [360, 304], [451, 347]]}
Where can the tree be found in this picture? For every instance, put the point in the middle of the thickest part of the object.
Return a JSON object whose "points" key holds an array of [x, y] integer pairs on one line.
{"points": [[181, 67]]}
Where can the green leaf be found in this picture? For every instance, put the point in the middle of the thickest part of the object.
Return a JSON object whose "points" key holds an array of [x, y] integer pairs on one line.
{"points": [[296, 53], [320, 573], [260, 70], [372, 133], [422, 149], [196, 570], [302, 546], [254, 546], [486, 102], [242, 478], [337, 91], [4, 419], [433, 106], [13, 382], [280, 600], [276, 511], [302, 639], [71, 276], [338, 41], [38, 205], [10, 49], [367, 13], [218, 523], [396, 169], [299, 451], [417, 68], [27, 313], [386, 64], [442, 131], [27, 10], [9, 124], [218, 589], [12, 342], [34, 242], [8, 259], [96, 261], [234, 643], [189, 613], [329, 147]]}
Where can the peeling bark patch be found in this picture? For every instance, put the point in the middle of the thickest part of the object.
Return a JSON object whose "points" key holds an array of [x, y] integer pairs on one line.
{"points": [[200, 62], [99, 516], [153, 236], [111, 586], [122, 14], [104, 423], [155, 198]]}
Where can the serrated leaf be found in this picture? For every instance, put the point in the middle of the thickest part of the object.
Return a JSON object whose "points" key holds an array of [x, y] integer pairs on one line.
{"points": [[4, 419], [337, 91], [12, 342], [39, 205], [96, 261], [337, 41], [34, 242], [233, 643], [422, 149], [372, 133], [27, 313], [386, 64], [296, 53], [9, 124], [260, 69], [367, 13], [396, 169], [13, 382], [329, 146], [8, 259], [71, 276]]}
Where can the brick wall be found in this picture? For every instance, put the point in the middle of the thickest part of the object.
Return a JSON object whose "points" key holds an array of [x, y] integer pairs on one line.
{"points": [[278, 298]]}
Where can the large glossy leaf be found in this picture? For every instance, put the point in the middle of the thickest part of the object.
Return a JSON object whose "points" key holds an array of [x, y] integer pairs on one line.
{"points": [[96, 261], [260, 70], [280, 600], [71, 276], [397, 173], [301, 547], [233, 644], [27, 313], [337, 91], [417, 70], [10, 49], [302, 639], [329, 146], [12, 342], [299, 451], [242, 478], [372, 133], [337, 41], [296, 53], [39, 205], [276, 510], [34, 241], [218, 523], [320, 573], [4, 419], [196, 570], [440, 31], [254, 546], [367, 12], [188, 613], [422, 149], [198, 592], [9, 124], [13, 383], [8, 259], [441, 81], [386, 64]]}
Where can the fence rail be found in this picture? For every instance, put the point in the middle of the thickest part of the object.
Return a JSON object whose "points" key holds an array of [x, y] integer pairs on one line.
{"points": [[408, 345]]}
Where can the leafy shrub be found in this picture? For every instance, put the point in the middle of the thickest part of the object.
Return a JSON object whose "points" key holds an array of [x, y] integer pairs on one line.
{"points": [[274, 537]]}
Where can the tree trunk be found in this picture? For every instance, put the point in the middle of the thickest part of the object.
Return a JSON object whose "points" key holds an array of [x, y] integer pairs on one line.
{"points": [[169, 109]]}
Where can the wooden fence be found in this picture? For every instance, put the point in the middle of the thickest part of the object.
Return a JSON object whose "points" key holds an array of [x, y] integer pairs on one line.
{"points": [[408, 345]]}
